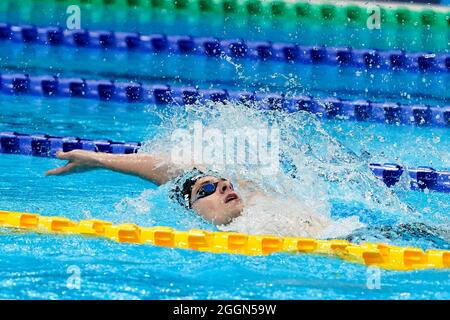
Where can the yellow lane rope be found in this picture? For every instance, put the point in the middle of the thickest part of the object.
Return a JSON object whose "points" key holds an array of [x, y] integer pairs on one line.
{"points": [[372, 254]]}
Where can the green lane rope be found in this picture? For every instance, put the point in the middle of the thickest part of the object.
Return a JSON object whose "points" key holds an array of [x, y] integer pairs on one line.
{"points": [[342, 12]]}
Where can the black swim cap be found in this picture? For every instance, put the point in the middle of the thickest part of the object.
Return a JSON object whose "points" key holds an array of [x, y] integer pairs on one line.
{"points": [[182, 190]]}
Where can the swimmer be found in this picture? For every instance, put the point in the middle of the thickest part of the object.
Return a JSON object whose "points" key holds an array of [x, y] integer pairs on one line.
{"points": [[211, 196], [215, 199]]}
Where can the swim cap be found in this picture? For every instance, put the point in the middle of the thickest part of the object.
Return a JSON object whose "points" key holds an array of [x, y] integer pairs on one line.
{"points": [[181, 192]]}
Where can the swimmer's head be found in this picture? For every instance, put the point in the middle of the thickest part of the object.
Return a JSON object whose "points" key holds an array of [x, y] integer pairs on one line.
{"points": [[211, 197]]}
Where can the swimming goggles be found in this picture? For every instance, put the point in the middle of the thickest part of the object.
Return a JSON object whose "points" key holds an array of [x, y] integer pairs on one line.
{"points": [[208, 189]]}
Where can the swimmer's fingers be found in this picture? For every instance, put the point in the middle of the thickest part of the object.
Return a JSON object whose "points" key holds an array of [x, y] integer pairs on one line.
{"points": [[64, 155], [64, 169], [79, 161], [69, 167]]}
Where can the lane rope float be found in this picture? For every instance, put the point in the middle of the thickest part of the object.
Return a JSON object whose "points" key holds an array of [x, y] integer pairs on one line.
{"points": [[44, 145], [212, 47], [371, 254], [317, 12], [161, 94]]}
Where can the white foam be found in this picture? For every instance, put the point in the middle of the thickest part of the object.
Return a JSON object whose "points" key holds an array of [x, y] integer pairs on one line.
{"points": [[290, 218], [326, 171]]}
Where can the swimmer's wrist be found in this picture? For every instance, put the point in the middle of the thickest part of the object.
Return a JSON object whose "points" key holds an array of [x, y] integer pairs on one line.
{"points": [[100, 162], [116, 162]]}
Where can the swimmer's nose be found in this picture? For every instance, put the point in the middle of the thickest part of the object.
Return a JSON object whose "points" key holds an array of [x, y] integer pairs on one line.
{"points": [[225, 185]]}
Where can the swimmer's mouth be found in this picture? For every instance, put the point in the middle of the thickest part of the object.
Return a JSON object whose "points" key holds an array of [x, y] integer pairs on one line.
{"points": [[231, 197]]}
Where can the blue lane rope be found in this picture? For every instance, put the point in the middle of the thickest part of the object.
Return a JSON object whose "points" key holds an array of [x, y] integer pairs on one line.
{"points": [[331, 108], [43, 145], [237, 48]]}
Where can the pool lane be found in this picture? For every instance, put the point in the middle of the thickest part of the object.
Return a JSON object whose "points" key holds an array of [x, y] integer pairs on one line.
{"points": [[317, 80], [407, 145]]}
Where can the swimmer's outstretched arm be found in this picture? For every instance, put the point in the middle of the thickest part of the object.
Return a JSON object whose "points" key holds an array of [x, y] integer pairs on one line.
{"points": [[157, 169]]}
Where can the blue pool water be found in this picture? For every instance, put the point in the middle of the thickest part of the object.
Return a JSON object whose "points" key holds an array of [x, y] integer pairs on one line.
{"points": [[317, 80], [35, 266], [39, 266]]}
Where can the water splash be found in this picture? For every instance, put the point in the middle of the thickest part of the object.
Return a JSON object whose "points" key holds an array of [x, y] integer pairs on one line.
{"points": [[318, 170]]}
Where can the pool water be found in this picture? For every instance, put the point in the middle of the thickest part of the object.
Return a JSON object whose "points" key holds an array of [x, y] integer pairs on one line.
{"points": [[41, 266], [36, 266], [122, 271], [228, 73]]}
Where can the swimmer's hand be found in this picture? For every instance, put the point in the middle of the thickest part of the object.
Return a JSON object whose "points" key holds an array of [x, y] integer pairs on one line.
{"points": [[79, 161]]}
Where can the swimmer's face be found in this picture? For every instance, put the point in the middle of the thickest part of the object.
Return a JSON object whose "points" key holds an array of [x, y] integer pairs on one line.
{"points": [[221, 206]]}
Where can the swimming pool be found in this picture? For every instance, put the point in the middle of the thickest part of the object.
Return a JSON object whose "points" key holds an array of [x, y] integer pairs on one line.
{"points": [[39, 266]]}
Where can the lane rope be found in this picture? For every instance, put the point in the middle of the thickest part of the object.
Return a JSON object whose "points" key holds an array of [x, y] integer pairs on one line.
{"points": [[317, 12], [161, 94], [43, 145], [212, 47], [371, 254]]}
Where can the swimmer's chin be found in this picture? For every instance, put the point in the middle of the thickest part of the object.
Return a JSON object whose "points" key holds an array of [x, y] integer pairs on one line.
{"points": [[230, 218]]}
